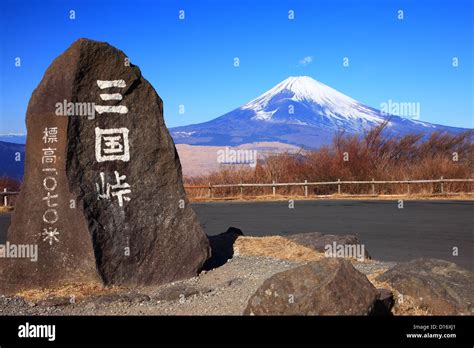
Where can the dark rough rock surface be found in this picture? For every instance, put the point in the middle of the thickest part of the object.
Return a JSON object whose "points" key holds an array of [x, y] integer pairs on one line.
{"points": [[441, 287], [326, 287], [318, 241], [165, 240]]}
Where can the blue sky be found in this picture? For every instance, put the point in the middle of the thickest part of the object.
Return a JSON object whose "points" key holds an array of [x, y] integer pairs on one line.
{"points": [[190, 62]]}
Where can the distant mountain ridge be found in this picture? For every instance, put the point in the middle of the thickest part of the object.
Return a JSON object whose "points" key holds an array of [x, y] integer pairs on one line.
{"points": [[13, 138], [298, 111]]}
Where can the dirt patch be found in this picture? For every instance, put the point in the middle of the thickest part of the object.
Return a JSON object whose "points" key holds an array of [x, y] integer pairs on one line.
{"points": [[72, 291]]}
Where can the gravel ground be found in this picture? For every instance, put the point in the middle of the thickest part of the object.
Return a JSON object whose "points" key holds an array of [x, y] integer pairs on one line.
{"points": [[373, 266], [222, 291]]}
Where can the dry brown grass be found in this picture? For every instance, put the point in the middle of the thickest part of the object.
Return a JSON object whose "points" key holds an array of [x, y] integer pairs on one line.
{"points": [[6, 209], [281, 248], [76, 291], [372, 156], [276, 247]]}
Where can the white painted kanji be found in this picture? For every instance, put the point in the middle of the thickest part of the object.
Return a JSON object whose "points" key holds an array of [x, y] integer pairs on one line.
{"points": [[111, 96], [120, 189], [50, 234], [119, 109], [50, 135], [49, 155], [112, 144], [111, 83]]}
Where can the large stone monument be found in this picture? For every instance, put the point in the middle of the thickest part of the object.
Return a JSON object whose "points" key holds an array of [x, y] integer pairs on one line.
{"points": [[102, 196]]}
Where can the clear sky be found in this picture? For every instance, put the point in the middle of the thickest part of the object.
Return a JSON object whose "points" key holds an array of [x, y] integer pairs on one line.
{"points": [[190, 62]]}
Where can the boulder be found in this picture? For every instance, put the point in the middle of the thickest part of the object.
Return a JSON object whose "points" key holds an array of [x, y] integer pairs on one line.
{"points": [[441, 287], [326, 287], [319, 242], [102, 195]]}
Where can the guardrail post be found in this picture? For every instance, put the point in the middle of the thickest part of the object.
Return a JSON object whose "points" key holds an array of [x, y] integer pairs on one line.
{"points": [[373, 187], [306, 188], [210, 190], [338, 187], [274, 188], [5, 199], [408, 187], [241, 191], [442, 185]]}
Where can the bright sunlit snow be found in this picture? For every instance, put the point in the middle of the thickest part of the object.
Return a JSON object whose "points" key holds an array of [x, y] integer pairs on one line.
{"points": [[325, 99]]}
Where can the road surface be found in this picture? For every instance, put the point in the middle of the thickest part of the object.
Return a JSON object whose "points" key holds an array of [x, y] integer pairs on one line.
{"points": [[421, 229]]}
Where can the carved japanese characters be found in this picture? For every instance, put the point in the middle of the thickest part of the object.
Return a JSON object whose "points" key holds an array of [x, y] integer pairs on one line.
{"points": [[102, 195]]}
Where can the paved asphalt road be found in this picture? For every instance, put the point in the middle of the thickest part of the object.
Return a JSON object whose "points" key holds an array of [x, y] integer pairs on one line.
{"points": [[420, 229]]}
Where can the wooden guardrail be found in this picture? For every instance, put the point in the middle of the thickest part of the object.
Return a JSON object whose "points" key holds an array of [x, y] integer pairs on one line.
{"points": [[274, 185], [7, 193], [441, 181]]}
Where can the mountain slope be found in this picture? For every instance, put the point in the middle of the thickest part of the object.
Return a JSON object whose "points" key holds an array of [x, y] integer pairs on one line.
{"points": [[299, 111], [13, 138]]}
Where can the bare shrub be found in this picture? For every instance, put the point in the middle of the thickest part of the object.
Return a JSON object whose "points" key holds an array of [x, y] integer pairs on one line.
{"points": [[374, 155]]}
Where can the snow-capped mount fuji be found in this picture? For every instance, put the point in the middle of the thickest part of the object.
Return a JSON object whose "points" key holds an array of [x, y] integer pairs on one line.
{"points": [[318, 99], [299, 111]]}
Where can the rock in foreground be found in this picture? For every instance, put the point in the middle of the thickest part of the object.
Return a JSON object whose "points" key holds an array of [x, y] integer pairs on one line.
{"points": [[440, 287], [102, 195], [326, 287]]}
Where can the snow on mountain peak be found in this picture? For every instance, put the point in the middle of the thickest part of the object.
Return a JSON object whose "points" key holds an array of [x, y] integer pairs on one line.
{"points": [[307, 88], [326, 100], [299, 111]]}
